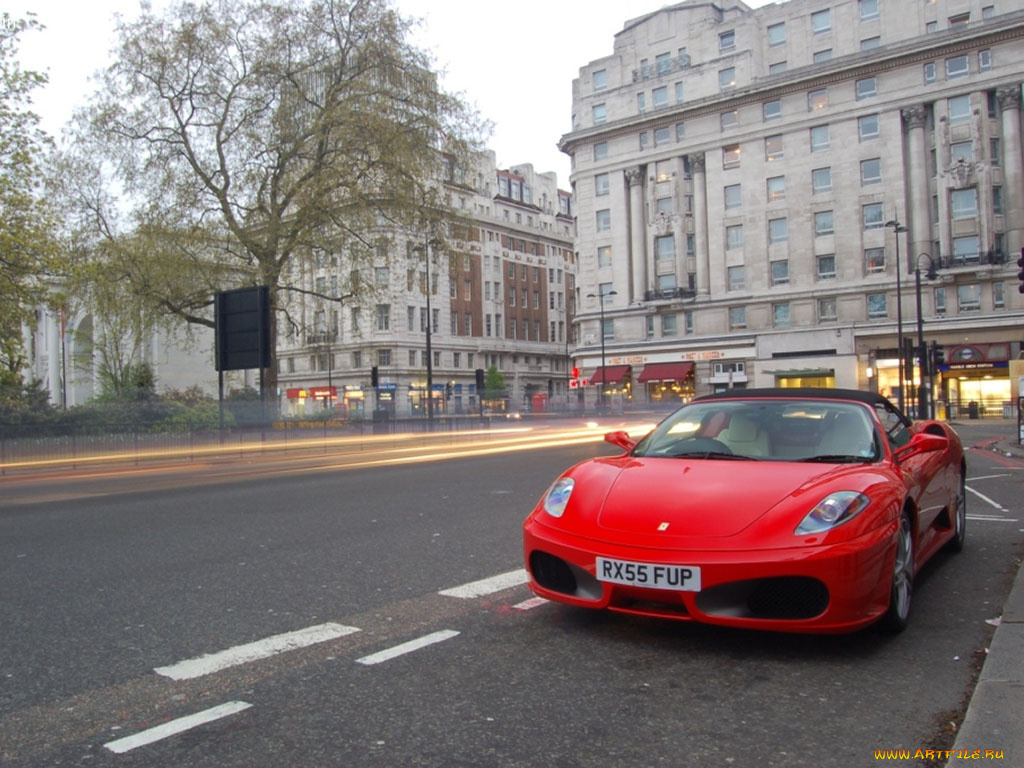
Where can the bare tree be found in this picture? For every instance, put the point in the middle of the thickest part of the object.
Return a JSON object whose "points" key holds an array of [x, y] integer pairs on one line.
{"points": [[231, 136]]}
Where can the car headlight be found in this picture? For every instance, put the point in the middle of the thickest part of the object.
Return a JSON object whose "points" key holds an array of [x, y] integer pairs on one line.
{"points": [[558, 496], [835, 509]]}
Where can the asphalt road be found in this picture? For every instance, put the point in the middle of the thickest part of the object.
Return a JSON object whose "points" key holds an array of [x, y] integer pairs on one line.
{"points": [[116, 608]]}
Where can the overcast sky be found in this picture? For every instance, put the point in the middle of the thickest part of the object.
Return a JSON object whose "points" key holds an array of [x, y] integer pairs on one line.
{"points": [[514, 61]]}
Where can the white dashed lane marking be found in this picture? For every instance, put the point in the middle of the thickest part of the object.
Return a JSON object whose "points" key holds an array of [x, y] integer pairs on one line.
{"points": [[260, 649], [409, 647], [487, 586], [174, 727]]}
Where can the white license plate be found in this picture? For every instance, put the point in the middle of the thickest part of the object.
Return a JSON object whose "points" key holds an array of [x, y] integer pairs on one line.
{"points": [[683, 578]]}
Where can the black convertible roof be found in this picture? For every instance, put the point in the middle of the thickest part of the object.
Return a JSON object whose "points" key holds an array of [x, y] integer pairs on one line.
{"points": [[822, 393]]}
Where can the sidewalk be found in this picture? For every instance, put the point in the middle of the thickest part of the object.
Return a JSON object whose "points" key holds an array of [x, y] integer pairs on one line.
{"points": [[995, 716]]}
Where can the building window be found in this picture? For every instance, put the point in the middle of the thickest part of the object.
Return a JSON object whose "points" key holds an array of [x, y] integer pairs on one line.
{"points": [[867, 127], [727, 78], [827, 310], [737, 318], [664, 206], [780, 272], [997, 201], [866, 88], [826, 264], [824, 223], [599, 114], [643, 141], [776, 187], [871, 171], [679, 93], [669, 325], [772, 110], [734, 236], [604, 220], [984, 60], [777, 34], [778, 230], [729, 119], [940, 301], [868, 10], [661, 137], [727, 40], [956, 67], [641, 103], [959, 21], [777, 67], [659, 97], [929, 73], [874, 261], [780, 315], [821, 180], [820, 57], [821, 22], [878, 306], [601, 150], [773, 147], [817, 99], [737, 278], [959, 108], [820, 140], [731, 156], [600, 79], [383, 357], [868, 43], [601, 186], [965, 250], [604, 259], [665, 248], [998, 295], [871, 215], [968, 298], [964, 203], [733, 196], [993, 152], [680, 131]]}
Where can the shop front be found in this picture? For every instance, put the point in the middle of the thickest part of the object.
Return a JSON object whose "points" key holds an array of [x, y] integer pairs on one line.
{"points": [[309, 400], [668, 383], [976, 381], [616, 383]]}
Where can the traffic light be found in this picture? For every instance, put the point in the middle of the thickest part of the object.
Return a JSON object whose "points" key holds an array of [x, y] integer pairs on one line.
{"points": [[575, 372], [1020, 271], [938, 357], [448, 391], [374, 377], [479, 379]]}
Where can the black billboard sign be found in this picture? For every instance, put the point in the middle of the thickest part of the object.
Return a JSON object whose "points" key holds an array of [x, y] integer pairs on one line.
{"points": [[243, 328]]}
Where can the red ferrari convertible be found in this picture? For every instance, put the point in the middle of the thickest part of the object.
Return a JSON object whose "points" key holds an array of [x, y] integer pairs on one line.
{"points": [[793, 510]]}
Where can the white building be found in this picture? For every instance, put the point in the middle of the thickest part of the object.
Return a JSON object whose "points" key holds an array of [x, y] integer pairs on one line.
{"points": [[758, 188]]}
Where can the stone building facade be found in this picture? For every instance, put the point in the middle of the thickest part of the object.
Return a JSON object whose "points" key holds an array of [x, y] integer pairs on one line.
{"points": [[766, 197]]}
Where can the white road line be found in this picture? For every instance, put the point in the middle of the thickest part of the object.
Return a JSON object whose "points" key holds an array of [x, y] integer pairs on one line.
{"points": [[487, 586], [990, 477], [173, 727], [412, 645], [986, 499], [533, 602], [992, 519], [260, 649]]}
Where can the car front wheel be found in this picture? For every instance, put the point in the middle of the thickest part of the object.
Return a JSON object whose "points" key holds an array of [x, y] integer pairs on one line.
{"points": [[901, 588], [956, 544]]}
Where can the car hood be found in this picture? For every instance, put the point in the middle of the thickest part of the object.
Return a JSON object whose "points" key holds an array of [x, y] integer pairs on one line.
{"points": [[702, 497]]}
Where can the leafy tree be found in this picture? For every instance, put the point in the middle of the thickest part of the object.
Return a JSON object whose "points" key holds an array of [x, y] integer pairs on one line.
{"points": [[27, 250], [245, 134], [494, 383]]}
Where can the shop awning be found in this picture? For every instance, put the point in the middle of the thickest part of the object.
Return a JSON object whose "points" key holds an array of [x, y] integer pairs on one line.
{"points": [[675, 371], [610, 374]]}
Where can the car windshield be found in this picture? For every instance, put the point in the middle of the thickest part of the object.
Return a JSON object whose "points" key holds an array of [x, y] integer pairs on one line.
{"points": [[823, 431]]}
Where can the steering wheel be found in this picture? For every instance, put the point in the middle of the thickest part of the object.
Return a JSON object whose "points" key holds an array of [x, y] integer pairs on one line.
{"points": [[698, 445]]}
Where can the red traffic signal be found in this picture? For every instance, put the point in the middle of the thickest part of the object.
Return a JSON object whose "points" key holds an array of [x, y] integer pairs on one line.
{"points": [[1020, 271], [576, 370]]}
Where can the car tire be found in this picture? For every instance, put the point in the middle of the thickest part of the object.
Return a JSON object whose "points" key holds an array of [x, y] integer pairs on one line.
{"points": [[956, 544], [901, 582]]}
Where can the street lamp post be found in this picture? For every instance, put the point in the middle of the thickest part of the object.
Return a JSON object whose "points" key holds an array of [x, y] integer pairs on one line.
{"points": [[604, 374], [898, 228], [924, 398], [425, 248]]}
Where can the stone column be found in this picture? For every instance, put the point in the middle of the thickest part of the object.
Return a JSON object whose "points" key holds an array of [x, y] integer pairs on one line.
{"points": [[1009, 98], [919, 213], [637, 234], [700, 224]]}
